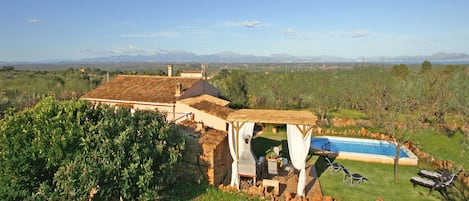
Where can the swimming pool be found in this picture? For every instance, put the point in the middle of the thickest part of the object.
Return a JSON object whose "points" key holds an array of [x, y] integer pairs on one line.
{"points": [[367, 150]]}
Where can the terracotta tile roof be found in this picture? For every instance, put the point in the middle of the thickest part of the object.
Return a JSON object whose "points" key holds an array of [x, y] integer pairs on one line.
{"points": [[155, 89], [206, 97], [210, 138], [212, 108]]}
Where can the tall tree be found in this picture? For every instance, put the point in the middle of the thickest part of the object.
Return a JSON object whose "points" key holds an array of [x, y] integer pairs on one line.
{"points": [[391, 109], [426, 67], [233, 86], [400, 70]]}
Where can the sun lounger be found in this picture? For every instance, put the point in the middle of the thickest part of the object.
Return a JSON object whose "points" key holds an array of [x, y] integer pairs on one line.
{"points": [[353, 176], [434, 184], [334, 167], [441, 176]]}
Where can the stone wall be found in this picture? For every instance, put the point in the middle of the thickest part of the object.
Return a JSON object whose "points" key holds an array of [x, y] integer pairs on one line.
{"points": [[207, 157], [342, 122]]}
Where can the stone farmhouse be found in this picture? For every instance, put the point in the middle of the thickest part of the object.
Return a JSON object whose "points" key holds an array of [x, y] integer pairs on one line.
{"points": [[217, 134], [181, 98], [189, 101]]}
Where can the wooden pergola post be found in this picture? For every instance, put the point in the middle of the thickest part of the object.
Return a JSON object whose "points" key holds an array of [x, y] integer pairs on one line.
{"points": [[303, 129], [236, 127], [301, 119]]}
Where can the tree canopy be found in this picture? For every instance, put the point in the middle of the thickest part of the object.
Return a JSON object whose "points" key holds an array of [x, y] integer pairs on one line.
{"points": [[400, 70], [70, 150], [426, 67]]}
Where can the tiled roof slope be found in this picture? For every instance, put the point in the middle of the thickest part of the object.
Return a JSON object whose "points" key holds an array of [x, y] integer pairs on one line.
{"points": [[156, 89], [206, 97], [212, 108]]}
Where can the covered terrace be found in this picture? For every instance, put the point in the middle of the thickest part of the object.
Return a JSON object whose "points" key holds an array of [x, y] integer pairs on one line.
{"points": [[299, 130]]}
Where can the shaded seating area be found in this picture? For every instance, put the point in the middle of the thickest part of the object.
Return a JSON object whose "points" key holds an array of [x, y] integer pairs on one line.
{"points": [[299, 130], [353, 177]]}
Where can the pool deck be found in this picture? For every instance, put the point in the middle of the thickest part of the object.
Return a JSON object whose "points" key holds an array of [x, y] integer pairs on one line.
{"points": [[371, 158]]}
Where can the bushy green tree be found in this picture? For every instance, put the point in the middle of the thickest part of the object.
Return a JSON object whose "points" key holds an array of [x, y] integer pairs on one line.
{"points": [[400, 70], [426, 67], [233, 87], [72, 151]]}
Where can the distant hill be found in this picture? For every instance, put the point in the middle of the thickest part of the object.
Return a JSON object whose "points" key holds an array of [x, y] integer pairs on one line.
{"points": [[439, 57], [233, 57]]}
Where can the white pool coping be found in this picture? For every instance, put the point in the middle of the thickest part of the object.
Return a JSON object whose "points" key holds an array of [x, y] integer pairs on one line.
{"points": [[411, 160]]}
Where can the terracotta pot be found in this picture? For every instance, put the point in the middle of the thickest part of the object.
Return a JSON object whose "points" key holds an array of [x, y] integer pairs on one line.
{"points": [[274, 129]]}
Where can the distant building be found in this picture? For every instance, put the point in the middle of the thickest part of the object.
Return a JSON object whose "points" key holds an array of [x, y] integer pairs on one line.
{"points": [[192, 74]]}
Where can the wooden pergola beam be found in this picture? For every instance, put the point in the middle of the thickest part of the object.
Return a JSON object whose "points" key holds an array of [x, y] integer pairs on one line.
{"points": [[273, 116], [301, 119]]}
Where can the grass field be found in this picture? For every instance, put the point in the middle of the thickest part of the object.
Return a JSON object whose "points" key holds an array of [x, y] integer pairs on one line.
{"points": [[453, 148], [381, 183]]}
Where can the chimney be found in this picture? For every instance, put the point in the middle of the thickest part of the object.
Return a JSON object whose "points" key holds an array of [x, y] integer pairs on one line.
{"points": [[200, 127], [170, 70], [178, 89]]}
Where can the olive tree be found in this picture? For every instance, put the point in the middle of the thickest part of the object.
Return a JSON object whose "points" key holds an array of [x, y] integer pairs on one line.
{"points": [[391, 108], [426, 66]]}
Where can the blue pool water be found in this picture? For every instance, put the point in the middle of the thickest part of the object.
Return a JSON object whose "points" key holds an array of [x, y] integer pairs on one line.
{"points": [[377, 147]]}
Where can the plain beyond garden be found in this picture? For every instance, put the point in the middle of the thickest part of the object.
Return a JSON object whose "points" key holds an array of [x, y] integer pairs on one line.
{"points": [[432, 103]]}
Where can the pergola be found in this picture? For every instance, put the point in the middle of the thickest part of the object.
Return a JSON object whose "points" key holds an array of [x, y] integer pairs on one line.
{"points": [[299, 129]]}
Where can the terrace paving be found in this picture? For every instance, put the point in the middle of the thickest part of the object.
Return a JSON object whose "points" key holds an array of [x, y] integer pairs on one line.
{"points": [[289, 184]]}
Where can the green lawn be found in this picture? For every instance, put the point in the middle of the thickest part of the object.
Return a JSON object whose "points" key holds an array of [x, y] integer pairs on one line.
{"points": [[187, 190], [381, 183], [266, 140], [452, 148]]}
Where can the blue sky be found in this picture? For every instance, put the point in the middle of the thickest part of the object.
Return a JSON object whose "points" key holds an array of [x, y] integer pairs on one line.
{"points": [[39, 30]]}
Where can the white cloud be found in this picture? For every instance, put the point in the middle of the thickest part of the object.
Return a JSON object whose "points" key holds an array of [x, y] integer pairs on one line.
{"points": [[160, 34], [350, 33], [250, 24], [358, 33], [131, 50], [289, 31], [231, 23], [32, 20]]}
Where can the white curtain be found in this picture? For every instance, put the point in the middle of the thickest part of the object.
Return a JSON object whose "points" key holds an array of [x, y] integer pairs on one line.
{"points": [[234, 165], [246, 130], [298, 146]]}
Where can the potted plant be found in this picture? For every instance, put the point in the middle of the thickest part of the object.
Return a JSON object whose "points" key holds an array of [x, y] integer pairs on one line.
{"points": [[271, 154], [275, 128]]}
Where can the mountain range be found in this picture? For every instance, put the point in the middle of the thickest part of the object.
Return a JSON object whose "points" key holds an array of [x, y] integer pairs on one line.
{"points": [[178, 56], [233, 57]]}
